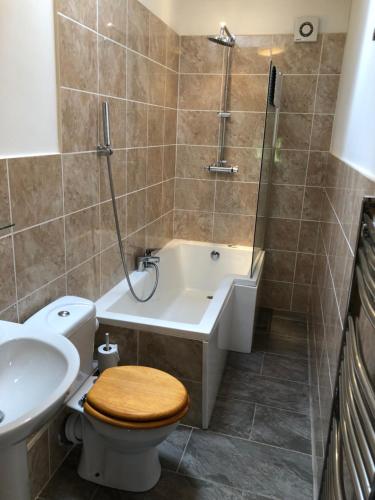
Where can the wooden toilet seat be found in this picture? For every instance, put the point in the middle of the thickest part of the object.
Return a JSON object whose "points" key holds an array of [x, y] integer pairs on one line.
{"points": [[137, 397]]}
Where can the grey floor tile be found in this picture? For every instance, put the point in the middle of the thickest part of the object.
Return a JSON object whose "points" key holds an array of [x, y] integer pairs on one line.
{"points": [[232, 417], [289, 315], [269, 391], [288, 327], [175, 486], [278, 344], [235, 462], [285, 367], [66, 483], [282, 428], [248, 362], [171, 450], [252, 496]]}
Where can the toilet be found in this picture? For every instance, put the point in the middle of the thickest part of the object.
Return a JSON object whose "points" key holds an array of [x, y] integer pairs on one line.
{"points": [[121, 416]]}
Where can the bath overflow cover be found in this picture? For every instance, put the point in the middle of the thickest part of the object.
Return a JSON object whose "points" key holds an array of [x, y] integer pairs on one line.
{"points": [[215, 255], [63, 314]]}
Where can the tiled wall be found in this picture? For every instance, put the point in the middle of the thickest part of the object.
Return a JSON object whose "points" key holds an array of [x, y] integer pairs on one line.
{"points": [[219, 207], [342, 191], [310, 84], [64, 239]]}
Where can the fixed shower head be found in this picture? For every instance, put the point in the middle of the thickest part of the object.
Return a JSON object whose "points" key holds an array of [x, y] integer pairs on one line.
{"points": [[224, 38]]}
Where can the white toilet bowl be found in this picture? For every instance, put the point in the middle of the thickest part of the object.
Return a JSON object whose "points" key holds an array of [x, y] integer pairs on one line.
{"points": [[127, 413]]}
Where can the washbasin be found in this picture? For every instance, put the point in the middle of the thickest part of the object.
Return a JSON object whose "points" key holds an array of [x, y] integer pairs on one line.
{"points": [[36, 371]]}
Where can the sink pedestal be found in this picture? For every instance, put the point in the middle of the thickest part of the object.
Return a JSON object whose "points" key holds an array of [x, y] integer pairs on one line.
{"points": [[14, 473]]}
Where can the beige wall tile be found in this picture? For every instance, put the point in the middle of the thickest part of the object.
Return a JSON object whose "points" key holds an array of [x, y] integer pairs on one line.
{"points": [[282, 234], [193, 225], [316, 168], [79, 121], [301, 297], [304, 268], [236, 197], [135, 247], [333, 51], [39, 254], [155, 126], [200, 92], [279, 266], [194, 194], [192, 160], [157, 79], [158, 40], [153, 202], [276, 295], [171, 89], [234, 229], [298, 93], [136, 211], [308, 236], [173, 49], [322, 132], [168, 196], [170, 126], [252, 54], [81, 181], [83, 12], [326, 96], [290, 167], [312, 203], [7, 281], [113, 19], [10, 314], [84, 280], [138, 77], [77, 56], [198, 127], [40, 298], [296, 58], [111, 269], [108, 235], [82, 236], [138, 27], [112, 68], [36, 189], [137, 169], [245, 130], [286, 201], [198, 55], [136, 135], [169, 164], [248, 93], [294, 131], [154, 165], [119, 173]]}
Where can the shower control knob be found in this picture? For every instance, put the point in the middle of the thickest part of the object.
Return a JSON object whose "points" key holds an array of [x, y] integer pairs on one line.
{"points": [[215, 255]]}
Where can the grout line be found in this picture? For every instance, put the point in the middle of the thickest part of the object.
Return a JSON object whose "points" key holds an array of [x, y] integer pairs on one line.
{"points": [[253, 421], [184, 450]]}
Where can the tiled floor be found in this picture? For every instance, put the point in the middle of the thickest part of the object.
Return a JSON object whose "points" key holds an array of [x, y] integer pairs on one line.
{"points": [[258, 445]]}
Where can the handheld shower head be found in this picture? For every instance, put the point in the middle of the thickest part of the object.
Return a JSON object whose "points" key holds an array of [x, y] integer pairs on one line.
{"points": [[106, 126], [225, 37]]}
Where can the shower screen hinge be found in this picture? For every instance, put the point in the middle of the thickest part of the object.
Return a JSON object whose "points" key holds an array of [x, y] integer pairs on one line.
{"points": [[224, 114]]}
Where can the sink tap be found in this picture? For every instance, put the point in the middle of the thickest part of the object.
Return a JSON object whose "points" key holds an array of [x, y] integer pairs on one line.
{"points": [[148, 259]]}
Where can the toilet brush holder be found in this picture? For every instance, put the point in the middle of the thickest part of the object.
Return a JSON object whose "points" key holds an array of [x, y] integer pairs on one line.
{"points": [[108, 355]]}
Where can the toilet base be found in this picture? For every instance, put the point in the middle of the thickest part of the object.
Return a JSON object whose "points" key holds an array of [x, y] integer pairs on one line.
{"points": [[119, 458]]}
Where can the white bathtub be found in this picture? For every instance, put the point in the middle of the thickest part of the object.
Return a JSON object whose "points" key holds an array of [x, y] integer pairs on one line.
{"points": [[198, 298], [189, 277]]}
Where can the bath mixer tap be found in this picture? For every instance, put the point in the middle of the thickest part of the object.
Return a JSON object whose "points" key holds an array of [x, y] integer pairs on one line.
{"points": [[148, 259]]}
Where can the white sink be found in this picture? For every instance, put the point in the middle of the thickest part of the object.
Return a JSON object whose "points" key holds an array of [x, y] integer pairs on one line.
{"points": [[36, 371]]}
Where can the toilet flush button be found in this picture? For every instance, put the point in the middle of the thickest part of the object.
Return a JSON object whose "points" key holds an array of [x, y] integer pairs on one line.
{"points": [[63, 314]]}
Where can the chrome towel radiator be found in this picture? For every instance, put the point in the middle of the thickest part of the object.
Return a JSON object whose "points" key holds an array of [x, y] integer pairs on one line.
{"points": [[349, 471]]}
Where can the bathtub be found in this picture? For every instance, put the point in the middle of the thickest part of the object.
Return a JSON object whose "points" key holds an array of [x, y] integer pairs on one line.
{"points": [[199, 298]]}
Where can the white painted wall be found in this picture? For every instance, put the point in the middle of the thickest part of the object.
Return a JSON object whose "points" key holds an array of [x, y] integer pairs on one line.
{"points": [[202, 17], [28, 95], [354, 129]]}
